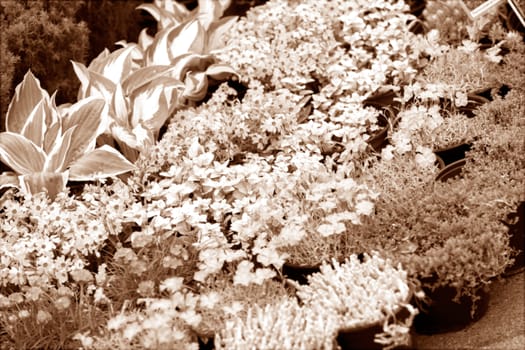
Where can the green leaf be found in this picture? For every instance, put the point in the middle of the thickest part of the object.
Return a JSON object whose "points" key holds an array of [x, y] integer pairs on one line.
{"points": [[87, 116], [221, 71], [99, 163], [56, 158], [20, 154], [27, 95], [216, 32], [196, 86], [51, 183], [141, 77], [189, 39], [83, 75], [190, 62], [35, 126], [117, 65], [8, 179]]}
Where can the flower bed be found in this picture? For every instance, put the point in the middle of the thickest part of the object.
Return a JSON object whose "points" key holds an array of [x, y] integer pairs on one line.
{"points": [[160, 208]]}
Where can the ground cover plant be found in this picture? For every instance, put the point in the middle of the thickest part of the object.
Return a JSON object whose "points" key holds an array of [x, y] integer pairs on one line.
{"points": [[199, 161]]}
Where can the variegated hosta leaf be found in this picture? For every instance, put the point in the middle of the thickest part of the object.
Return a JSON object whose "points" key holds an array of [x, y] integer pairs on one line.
{"points": [[20, 154], [119, 108], [190, 62], [216, 32], [100, 163], [144, 40], [51, 183], [97, 64], [27, 95], [157, 52], [117, 65], [141, 77], [221, 71], [210, 11], [149, 103], [175, 41], [35, 126], [57, 157], [190, 39], [87, 116], [93, 83], [9, 179], [83, 75], [196, 86]]}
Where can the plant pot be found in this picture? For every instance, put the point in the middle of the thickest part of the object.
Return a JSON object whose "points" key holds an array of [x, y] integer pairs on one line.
{"points": [[440, 162], [474, 102], [362, 337], [452, 154], [206, 343], [452, 170], [299, 273], [442, 314], [379, 140], [517, 240]]}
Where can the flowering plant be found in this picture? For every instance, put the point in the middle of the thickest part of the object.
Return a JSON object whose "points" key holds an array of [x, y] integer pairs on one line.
{"points": [[283, 325], [363, 293]]}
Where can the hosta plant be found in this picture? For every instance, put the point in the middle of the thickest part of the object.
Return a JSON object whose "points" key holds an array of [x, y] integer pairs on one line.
{"points": [[145, 83], [46, 146]]}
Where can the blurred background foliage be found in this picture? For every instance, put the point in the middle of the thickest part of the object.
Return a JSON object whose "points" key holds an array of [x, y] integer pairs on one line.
{"points": [[44, 35]]}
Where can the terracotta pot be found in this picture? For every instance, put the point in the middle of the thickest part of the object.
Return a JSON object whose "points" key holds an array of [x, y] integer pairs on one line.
{"points": [[452, 170], [362, 337], [443, 314]]}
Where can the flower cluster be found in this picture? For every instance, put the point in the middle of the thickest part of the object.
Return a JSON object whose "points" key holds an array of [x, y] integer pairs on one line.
{"points": [[281, 325], [362, 293]]}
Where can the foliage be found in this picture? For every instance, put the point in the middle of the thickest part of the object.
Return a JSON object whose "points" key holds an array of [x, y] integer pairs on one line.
{"points": [[46, 146], [144, 83], [44, 35], [192, 242]]}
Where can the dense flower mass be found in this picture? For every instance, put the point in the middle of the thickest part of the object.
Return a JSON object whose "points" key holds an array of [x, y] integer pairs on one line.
{"points": [[304, 131]]}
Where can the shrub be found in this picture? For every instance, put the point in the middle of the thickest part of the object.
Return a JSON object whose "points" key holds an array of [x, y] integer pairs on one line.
{"points": [[45, 36]]}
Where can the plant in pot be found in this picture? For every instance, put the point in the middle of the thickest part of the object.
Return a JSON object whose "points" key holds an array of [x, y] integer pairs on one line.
{"points": [[283, 324], [370, 298], [498, 157], [328, 205], [442, 233]]}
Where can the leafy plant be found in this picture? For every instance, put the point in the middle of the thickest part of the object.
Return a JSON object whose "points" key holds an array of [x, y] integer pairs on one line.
{"points": [[46, 146], [145, 83]]}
